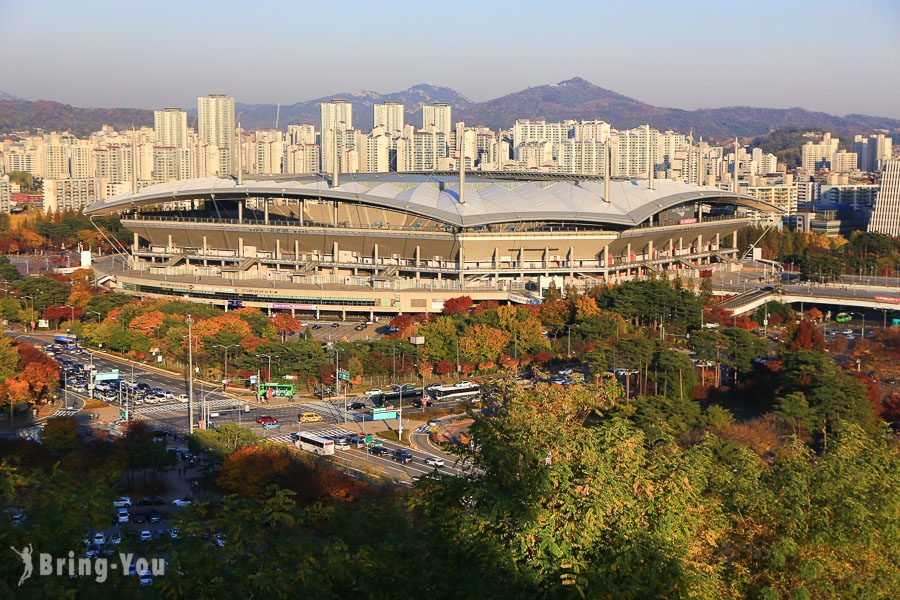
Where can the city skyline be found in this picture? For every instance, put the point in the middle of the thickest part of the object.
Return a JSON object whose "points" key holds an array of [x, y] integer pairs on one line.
{"points": [[661, 45]]}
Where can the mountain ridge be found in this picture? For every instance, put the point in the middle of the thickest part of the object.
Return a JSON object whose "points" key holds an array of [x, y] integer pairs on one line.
{"points": [[573, 98]]}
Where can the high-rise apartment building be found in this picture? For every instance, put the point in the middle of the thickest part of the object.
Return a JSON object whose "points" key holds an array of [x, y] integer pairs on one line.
{"points": [[818, 155], [438, 118], [170, 127], [4, 194], [301, 134], [873, 151], [337, 116], [65, 195], [215, 126], [886, 216], [390, 117]]}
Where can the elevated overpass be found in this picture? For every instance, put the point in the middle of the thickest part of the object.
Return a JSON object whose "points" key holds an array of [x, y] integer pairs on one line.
{"points": [[790, 294]]}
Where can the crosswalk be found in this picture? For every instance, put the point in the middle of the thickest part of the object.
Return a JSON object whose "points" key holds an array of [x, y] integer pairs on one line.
{"points": [[182, 407], [65, 412]]}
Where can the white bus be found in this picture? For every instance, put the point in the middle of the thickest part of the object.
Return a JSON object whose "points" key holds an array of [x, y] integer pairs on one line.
{"points": [[315, 444], [457, 391]]}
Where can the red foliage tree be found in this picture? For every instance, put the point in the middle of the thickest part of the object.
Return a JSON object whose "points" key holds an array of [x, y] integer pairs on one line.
{"points": [[457, 306], [485, 306], [61, 313], [806, 336], [445, 367], [542, 356]]}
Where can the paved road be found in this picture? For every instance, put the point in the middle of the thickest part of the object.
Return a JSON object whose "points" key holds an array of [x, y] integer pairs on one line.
{"points": [[172, 415]]}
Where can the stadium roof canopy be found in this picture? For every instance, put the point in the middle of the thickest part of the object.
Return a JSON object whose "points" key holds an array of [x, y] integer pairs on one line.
{"points": [[489, 198]]}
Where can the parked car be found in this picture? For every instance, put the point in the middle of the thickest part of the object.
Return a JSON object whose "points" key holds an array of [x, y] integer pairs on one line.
{"points": [[316, 326], [99, 538], [182, 502], [92, 551], [139, 517], [146, 536], [372, 393], [270, 425], [335, 325], [115, 538], [122, 502], [434, 461], [172, 533], [153, 516], [182, 398], [123, 516], [356, 405]]}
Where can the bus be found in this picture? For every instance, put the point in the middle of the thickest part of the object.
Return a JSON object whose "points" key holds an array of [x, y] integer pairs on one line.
{"points": [[315, 444], [455, 392], [67, 342], [275, 390], [843, 317]]}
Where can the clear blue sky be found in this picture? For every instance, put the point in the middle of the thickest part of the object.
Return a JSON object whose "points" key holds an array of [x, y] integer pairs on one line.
{"points": [[835, 56]]}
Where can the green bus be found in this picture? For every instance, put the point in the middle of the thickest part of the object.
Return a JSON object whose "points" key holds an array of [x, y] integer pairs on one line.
{"points": [[843, 318], [267, 391]]}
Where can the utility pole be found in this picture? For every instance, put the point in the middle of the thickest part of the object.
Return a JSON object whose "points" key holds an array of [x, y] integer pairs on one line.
{"points": [[190, 321]]}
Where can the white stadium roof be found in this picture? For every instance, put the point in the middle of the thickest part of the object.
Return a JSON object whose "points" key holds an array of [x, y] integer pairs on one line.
{"points": [[489, 198]]}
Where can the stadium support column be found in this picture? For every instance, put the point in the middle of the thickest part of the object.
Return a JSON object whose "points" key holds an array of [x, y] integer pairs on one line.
{"points": [[266, 211], [374, 260], [418, 263], [335, 254], [546, 261], [136, 242], [680, 245], [277, 250], [240, 210], [240, 247], [718, 241], [649, 249], [461, 258], [571, 260], [205, 248], [297, 250], [605, 258], [700, 247], [734, 239], [169, 245]]}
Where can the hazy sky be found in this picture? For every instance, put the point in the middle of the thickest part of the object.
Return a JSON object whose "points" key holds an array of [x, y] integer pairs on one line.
{"points": [[836, 56]]}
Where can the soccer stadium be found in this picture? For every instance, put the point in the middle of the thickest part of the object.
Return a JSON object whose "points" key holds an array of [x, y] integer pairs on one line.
{"points": [[392, 243]]}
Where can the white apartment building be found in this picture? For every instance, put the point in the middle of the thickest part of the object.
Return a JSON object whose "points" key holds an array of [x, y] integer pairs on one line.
{"points": [[390, 117], [170, 127], [215, 125], [337, 115], [301, 134], [886, 215], [4, 194], [64, 195], [303, 158], [818, 155], [438, 118], [873, 151], [421, 152], [844, 162], [526, 131], [586, 157]]}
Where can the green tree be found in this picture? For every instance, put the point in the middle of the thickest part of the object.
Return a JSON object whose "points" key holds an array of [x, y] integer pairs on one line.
{"points": [[440, 339]]}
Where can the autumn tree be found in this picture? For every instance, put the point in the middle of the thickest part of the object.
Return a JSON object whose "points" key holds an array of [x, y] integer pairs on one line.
{"points": [[805, 336], [286, 325], [457, 306], [481, 343]]}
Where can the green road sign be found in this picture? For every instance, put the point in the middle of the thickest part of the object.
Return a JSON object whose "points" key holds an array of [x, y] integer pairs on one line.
{"points": [[369, 438]]}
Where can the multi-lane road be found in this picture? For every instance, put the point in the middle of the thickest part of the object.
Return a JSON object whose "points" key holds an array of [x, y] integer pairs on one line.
{"points": [[172, 415]]}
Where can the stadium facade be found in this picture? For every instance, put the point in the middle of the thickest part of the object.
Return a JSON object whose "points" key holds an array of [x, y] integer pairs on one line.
{"points": [[384, 244]]}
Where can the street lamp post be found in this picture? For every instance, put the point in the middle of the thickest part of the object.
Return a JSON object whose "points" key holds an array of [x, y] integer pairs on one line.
{"points": [[189, 321], [94, 312], [225, 347]]}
